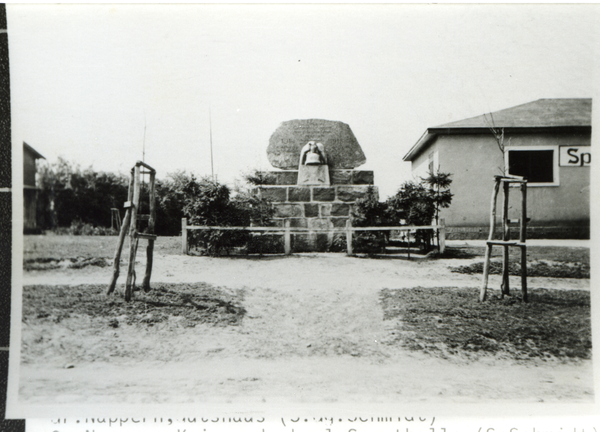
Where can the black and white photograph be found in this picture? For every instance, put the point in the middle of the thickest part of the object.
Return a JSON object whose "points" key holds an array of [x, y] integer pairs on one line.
{"points": [[323, 209]]}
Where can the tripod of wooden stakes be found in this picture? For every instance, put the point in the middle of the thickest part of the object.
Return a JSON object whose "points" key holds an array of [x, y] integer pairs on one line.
{"points": [[506, 182], [130, 225]]}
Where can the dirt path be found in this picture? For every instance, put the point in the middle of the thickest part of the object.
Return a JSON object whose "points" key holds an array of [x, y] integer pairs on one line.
{"points": [[299, 270], [314, 332]]}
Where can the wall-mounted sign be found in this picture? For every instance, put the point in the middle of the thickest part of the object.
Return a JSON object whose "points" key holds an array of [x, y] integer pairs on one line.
{"points": [[575, 156]]}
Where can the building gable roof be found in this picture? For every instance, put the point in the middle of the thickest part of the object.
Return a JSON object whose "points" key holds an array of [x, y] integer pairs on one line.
{"points": [[539, 113], [31, 150], [543, 113]]}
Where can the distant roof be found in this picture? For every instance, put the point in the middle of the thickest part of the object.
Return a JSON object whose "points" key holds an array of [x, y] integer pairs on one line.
{"points": [[542, 113], [33, 151], [539, 113]]}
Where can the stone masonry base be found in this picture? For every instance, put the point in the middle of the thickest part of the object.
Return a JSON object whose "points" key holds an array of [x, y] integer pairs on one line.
{"points": [[314, 207]]}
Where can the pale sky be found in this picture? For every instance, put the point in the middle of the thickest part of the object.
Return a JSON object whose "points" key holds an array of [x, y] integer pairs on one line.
{"points": [[86, 78]]}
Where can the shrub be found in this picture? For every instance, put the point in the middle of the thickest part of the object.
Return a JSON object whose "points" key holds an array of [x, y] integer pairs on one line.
{"points": [[170, 201], [258, 178], [339, 243], [260, 211], [414, 203], [81, 228], [265, 244], [369, 212], [209, 203]]}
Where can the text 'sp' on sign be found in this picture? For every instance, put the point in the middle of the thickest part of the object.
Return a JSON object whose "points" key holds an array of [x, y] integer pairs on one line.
{"points": [[575, 156]]}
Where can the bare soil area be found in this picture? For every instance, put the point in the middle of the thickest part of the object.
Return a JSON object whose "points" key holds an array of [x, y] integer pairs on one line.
{"points": [[303, 328]]}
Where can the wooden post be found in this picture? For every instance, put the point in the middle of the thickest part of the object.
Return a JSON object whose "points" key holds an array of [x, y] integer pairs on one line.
{"points": [[115, 219], [124, 229], [488, 250], [132, 231], [523, 240], [505, 287], [151, 222], [184, 233], [442, 235], [136, 243], [287, 238], [349, 236], [408, 243]]}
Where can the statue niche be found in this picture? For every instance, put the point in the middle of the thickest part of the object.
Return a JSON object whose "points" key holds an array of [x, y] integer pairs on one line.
{"points": [[313, 169]]}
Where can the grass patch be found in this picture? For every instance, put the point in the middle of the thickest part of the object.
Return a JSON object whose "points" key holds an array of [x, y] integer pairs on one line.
{"points": [[534, 253], [193, 303], [534, 269], [451, 322], [60, 247], [69, 325], [73, 263]]}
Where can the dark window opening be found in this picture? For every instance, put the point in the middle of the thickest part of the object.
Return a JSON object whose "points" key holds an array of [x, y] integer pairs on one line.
{"points": [[537, 166]]}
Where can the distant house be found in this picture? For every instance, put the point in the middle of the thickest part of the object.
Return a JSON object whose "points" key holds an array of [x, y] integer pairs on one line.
{"points": [[548, 141], [30, 190]]}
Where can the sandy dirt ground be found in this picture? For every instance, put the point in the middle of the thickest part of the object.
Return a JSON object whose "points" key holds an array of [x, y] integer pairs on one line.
{"points": [[314, 332]]}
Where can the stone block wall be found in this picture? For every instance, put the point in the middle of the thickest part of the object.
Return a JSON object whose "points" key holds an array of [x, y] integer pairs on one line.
{"points": [[314, 207], [337, 177]]}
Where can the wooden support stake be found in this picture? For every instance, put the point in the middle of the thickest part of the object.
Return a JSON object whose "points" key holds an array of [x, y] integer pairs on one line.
{"points": [[151, 222], [505, 287], [442, 239], [504, 243], [135, 249], [132, 239], [287, 238], [184, 234], [486, 272], [523, 239], [124, 229], [488, 250], [149, 259], [349, 236], [148, 167], [145, 236], [117, 257]]}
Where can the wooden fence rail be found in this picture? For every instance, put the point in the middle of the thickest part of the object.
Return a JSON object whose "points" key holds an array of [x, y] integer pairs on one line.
{"points": [[287, 232]]}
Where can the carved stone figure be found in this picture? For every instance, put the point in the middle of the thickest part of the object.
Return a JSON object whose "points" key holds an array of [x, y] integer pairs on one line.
{"points": [[313, 169], [313, 154]]}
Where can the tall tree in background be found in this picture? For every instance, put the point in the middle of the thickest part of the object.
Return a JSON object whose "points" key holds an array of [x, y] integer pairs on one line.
{"points": [[52, 179], [170, 199], [69, 194], [439, 187]]}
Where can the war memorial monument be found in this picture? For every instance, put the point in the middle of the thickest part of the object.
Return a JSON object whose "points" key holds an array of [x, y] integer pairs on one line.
{"points": [[317, 182]]}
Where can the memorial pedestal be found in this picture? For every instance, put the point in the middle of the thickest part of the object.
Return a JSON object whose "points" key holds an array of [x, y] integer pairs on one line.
{"points": [[313, 175], [320, 194], [315, 206]]}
